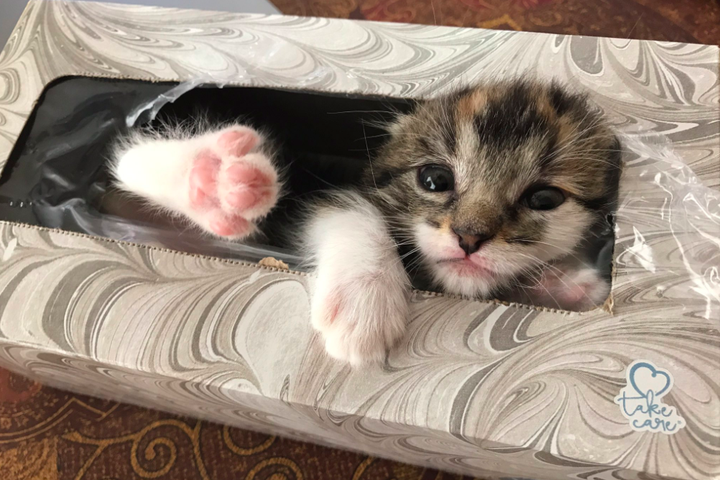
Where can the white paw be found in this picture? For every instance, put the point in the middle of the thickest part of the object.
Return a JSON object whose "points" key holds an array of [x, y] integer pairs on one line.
{"points": [[577, 290], [219, 180], [360, 314]]}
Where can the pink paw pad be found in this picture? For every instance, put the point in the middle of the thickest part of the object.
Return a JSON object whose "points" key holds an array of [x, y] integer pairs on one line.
{"points": [[248, 186], [574, 294], [229, 185], [228, 225], [238, 142], [248, 175], [203, 180], [333, 305], [575, 290]]}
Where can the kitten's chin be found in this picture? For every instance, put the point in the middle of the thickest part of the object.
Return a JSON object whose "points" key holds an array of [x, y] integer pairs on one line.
{"points": [[463, 277]]}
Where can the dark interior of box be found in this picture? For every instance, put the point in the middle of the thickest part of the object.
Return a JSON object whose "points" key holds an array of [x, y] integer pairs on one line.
{"points": [[57, 174]]}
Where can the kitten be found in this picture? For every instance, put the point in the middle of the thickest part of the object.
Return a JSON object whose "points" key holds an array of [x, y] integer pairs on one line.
{"points": [[493, 191]]}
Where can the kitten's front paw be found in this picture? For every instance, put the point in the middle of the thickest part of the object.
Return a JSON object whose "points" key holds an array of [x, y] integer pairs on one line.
{"points": [[360, 315], [576, 290], [220, 180], [230, 184]]}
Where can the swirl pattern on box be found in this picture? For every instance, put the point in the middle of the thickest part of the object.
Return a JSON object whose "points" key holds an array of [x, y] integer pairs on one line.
{"points": [[476, 388]]}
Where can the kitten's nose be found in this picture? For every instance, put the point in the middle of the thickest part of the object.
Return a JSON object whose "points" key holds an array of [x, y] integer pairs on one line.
{"points": [[471, 242]]}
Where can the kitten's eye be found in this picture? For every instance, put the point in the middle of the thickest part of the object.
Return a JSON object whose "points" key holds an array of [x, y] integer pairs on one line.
{"points": [[436, 179], [545, 198]]}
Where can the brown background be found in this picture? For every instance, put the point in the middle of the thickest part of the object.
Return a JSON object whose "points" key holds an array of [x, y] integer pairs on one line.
{"points": [[48, 434]]}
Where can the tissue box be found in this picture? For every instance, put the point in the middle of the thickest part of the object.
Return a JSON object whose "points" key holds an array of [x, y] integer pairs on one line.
{"points": [[479, 388]]}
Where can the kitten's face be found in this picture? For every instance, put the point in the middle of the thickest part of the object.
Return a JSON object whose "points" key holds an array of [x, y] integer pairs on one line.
{"points": [[491, 182]]}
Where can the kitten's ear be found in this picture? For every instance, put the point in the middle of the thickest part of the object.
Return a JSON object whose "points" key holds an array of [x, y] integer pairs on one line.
{"points": [[399, 123], [402, 118], [563, 100]]}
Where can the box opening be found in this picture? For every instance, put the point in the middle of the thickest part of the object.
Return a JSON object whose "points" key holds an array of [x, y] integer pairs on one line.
{"points": [[57, 174]]}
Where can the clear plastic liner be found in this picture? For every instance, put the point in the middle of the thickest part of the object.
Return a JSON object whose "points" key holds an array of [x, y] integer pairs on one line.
{"points": [[680, 205], [117, 228], [57, 174]]}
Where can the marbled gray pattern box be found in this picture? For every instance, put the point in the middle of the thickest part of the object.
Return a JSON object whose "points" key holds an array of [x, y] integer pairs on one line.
{"points": [[476, 387]]}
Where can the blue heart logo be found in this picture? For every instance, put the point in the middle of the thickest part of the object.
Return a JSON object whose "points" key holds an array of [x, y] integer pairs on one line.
{"points": [[645, 378]]}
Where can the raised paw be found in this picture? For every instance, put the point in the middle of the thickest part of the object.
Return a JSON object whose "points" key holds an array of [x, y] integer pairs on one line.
{"points": [[360, 315], [576, 290], [220, 180], [230, 184]]}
